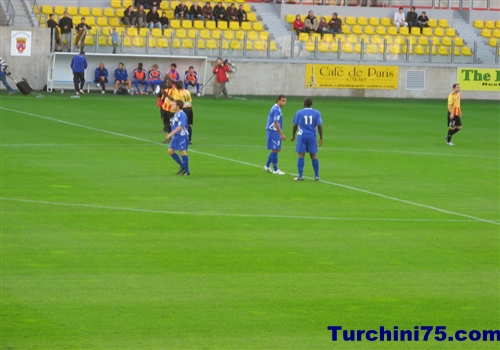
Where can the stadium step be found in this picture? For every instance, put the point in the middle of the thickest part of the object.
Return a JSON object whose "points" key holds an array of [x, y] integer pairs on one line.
{"points": [[271, 19], [485, 53], [22, 17]]}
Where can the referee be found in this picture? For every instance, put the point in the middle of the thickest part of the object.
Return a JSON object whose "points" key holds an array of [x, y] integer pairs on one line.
{"points": [[454, 117], [188, 106]]}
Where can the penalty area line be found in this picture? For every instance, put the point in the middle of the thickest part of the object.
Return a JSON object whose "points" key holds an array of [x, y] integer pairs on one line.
{"points": [[258, 166]]}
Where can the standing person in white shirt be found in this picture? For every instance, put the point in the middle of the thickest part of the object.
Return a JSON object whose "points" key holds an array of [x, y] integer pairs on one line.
{"points": [[399, 19]]}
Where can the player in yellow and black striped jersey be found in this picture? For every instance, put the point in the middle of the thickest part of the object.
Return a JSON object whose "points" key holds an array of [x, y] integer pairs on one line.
{"points": [[454, 115], [188, 106]]}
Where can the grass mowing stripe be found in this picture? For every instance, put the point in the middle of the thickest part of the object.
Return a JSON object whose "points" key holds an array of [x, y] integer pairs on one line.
{"points": [[258, 166], [91, 206]]}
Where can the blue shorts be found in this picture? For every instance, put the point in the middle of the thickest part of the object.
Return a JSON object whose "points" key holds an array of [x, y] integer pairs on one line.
{"points": [[306, 143], [179, 143], [273, 140]]}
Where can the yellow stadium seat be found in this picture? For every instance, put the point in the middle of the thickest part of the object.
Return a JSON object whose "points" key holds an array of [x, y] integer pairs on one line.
{"points": [[459, 41], [265, 35], [102, 21], [120, 30], [352, 39], [254, 36], [436, 41], [492, 42], [486, 33], [152, 42], [127, 3], [479, 23], [371, 49], [327, 38], [446, 41], [93, 30], [163, 43], [394, 49], [132, 32], [399, 40], [173, 4], [105, 31], [381, 30], [175, 24], [273, 46], [427, 32], [246, 26], [211, 44], [252, 17], [164, 6], [249, 45], [423, 41], [358, 30], [235, 44], [432, 23], [457, 51], [374, 21], [365, 38], [415, 31], [240, 34], [439, 32], [84, 11], [76, 20], [59, 10], [198, 25], [143, 32], [489, 24], [186, 24], [369, 30], [191, 33], [290, 18], [392, 31], [412, 40], [386, 21], [346, 29], [187, 44], [89, 40], [421, 50], [260, 45], [72, 11], [156, 33], [450, 32], [96, 12], [109, 12], [201, 44], [334, 47], [127, 41], [216, 34], [103, 41], [205, 34], [466, 51], [47, 9], [443, 51], [116, 4], [389, 39], [228, 35], [210, 25], [404, 31], [350, 20], [377, 39], [90, 21], [115, 22], [310, 46], [495, 33], [497, 24], [443, 23], [362, 21], [258, 26], [181, 34], [222, 25], [304, 37], [233, 25]]}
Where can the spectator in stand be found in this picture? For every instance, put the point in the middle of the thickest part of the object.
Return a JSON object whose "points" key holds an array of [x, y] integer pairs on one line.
{"points": [[191, 79], [140, 77], [66, 25], [142, 3], [298, 25], [165, 23], [219, 13], [114, 39], [208, 12], [152, 3], [423, 19], [195, 12], [140, 17], [323, 26], [231, 13], [335, 24], [173, 73], [54, 33], [153, 18], [121, 77], [412, 19], [82, 27], [154, 77], [181, 11], [128, 16], [242, 15], [101, 77], [311, 23], [399, 19]]}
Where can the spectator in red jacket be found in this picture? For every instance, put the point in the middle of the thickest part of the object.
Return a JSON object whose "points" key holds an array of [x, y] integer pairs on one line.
{"points": [[220, 71], [298, 25]]}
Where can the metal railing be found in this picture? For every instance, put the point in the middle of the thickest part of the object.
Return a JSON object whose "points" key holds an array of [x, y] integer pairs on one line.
{"points": [[10, 13]]}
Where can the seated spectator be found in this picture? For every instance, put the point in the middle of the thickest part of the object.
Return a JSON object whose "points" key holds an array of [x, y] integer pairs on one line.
{"points": [[399, 19], [101, 77], [121, 77], [311, 23], [242, 15], [152, 3], [128, 16], [219, 12], [165, 23], [154, 77], [232, 13], [153, 18], [173, 73], [142, 3], [191, 79], [323, 26], [140, 17], [423, 19], [195, 12], [298, 25], [208, 12], [412, 19], [139, 76], [335, 24], [181, 11]]}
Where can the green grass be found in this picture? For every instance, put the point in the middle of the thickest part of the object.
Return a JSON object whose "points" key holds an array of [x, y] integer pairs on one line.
{"points": [[103, 247]]}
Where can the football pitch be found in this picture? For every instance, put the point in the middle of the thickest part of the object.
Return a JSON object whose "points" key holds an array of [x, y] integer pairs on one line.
{"points": [[104, 247]]}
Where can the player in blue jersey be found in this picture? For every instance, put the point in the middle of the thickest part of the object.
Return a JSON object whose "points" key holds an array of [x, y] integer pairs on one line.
{"points": [[307, 121], [179, 138], [275, 135]]}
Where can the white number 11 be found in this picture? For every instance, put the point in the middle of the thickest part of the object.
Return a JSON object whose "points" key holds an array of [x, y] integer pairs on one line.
{"points": [[310, 119]]}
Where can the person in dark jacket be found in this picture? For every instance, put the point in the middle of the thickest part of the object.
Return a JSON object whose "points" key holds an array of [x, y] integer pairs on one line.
{"points": [[101, 77], [181, 11], [208, 12], [66, 25], [153, 18], [231, 13], [128, 16], [195, 12], [78, 65], [121, 77], [412, 19], [54, 33], [139, 19], [219, 13], [242, 15]]}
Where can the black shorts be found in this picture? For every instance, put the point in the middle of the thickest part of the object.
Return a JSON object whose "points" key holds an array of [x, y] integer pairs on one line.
{"points": [[189, 114], [166, 115], [456, 121]]}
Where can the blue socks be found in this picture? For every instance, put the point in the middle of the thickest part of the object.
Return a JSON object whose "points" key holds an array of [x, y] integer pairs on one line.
{"points": [[185, 165], [269, 159], [300, 167], [274, 160], [315, 163], [175, 157]]}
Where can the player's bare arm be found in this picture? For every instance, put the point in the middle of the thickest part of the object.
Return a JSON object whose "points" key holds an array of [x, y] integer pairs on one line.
{"points": [[278, 129], [294, 131], [173, 132], [320, 132]]}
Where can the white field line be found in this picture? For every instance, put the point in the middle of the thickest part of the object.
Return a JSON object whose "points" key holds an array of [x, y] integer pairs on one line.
{"points": [[258, 166]]}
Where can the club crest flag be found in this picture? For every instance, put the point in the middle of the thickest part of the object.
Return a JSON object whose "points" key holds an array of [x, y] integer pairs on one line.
{"points": [[20, 43]]}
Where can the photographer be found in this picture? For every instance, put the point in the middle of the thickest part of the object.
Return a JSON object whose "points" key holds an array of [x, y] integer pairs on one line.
{"points": [[220, 71], [3, 76]]}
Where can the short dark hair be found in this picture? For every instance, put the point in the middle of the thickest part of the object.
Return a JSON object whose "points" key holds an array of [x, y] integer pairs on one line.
{"points": [[82, 52], [191, 67], [280, 97], [179, 85], [51, 15], [424, 13], [400, 8], [173, 65], [179, 103], [455, 85], [412, 8], [308, 102]]}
